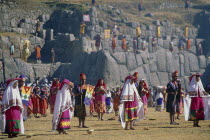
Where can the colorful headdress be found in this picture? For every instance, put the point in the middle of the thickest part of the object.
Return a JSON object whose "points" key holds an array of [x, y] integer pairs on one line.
{"points": [[131, 78], [98, 84], [82, 76], [175, 74], [10, 80], [22, 76], [66, 81], [136, 74], [194, 75]]}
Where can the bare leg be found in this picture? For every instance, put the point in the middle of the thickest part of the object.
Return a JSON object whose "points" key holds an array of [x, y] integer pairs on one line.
{"points": [[116, 113], [197, 123], [194, 123], [126, 125], [10, 135], [102, 116], [80, 121], [83, 123], [178, 116], [171, 118], [98, 116], [131, 125]]}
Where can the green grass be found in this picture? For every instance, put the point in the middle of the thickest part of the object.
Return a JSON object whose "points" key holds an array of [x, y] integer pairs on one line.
{"points": [[176, 16]]}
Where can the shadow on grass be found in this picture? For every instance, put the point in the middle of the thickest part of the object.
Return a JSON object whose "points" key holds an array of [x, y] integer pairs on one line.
{"points": [[19, 136], [166, 127], [4, 135], [33, 130], [96, 130], [107, 129]]}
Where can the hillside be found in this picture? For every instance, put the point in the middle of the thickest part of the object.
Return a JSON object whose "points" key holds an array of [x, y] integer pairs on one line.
{"points": [[162, 9]]}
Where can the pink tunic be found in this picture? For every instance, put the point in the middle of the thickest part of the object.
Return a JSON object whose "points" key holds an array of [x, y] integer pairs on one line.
{"points": [[13, 120], [100, 104], [197, 108], [131, 110]]}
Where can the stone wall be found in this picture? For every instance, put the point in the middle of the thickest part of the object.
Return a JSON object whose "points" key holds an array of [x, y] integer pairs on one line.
{"points": [[21, 19], [5, 43], [64, 21], [78, 54], [15, 67], [156, 67]]}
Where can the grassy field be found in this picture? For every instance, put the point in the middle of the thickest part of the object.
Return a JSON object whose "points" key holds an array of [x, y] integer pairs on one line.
{"points": [[159, 129]]}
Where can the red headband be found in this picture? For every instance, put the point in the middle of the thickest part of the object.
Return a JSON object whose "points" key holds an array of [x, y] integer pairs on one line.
{"points": [[82, 76]]}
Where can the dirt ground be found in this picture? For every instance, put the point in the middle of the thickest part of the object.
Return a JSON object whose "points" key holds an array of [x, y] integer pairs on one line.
{"points": [[159, 129]]}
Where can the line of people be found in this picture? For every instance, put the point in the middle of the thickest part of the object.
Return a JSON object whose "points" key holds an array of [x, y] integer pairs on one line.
{"points": [[140, 42], [67, 99]]}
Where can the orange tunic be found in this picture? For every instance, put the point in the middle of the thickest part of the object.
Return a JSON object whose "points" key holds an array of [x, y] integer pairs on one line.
{"points": [[188, 44], [43, 106], [38, 52], [35, 100], [114, 43], [124, 44], [116, 100]]}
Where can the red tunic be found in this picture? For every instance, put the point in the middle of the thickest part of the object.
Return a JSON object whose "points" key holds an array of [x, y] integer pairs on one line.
{"points": [[43, 106], [35, 100]]}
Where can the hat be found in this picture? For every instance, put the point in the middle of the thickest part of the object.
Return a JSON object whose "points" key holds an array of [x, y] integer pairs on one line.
{"points": [[131, 78], [136, 74], [82, 76], [10, 80], [66, 81], [198, 74], [175, 74], [22, 76], [193, 76]]}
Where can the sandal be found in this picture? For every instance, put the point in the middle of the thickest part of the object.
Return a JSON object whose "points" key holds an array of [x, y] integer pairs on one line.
{"points": [[85, 127], [10, 136], [64, 132], [132, 128], [14, 135]]}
